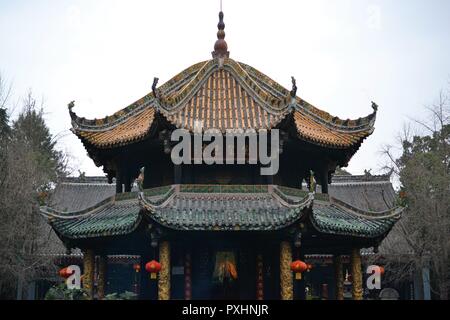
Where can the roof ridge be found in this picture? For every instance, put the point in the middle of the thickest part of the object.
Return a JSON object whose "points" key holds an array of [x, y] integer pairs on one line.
{"points": [[50, 213], [134, 108], [394, 212], [84, 180], [317, 114], [171, 104], [362, 178]]}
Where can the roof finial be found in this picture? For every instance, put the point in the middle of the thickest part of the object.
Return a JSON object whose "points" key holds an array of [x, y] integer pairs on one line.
{"points": [[374, 106], [294, 88], [221, 47]]}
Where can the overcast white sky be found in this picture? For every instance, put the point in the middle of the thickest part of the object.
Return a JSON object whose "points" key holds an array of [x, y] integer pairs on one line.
{"points": [[344, 54]]}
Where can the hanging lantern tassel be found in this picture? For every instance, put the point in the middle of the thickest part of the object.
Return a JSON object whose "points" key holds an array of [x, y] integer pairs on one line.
{"points": [[137, 267], [153, 267], [298, 267]]}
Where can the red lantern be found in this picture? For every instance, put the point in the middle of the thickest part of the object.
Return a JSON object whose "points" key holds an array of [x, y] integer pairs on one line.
{"points": [[153, 267], [298, 267], [64, 273], [382, 271], [137, 267]]}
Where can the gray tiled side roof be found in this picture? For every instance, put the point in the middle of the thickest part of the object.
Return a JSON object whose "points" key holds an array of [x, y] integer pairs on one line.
{"points": [[76, 196], [373, 193]]}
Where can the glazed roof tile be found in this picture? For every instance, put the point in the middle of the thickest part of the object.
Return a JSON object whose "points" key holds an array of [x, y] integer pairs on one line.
{"points": [[332, 218], [220, 208], [109, 218], [225, 208], [222, 94]]}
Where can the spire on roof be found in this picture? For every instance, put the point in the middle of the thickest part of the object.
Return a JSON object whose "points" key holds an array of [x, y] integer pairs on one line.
{"points": [[221, 46]]}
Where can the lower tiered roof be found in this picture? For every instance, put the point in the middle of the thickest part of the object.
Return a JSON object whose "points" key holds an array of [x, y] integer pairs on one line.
{"points": [[218, 208], [224, 208]]}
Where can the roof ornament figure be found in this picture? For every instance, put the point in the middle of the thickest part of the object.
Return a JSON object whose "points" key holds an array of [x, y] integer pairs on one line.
{"points": [[312, 182], [294, 88], [140, 180], [73, 115], [221, 46], [71, 105], [156, 91], [367, 174], [293, 93], [374, 106]]}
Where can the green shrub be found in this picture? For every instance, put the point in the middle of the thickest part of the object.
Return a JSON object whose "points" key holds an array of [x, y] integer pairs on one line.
{"points": [[127, 295], [60, 292]]}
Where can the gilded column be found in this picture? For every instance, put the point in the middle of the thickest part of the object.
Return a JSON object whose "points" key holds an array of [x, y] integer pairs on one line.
{"points": [[164, 276], [188, 277], [102, 268], [88, 276], [339, 277], [286, 278], [259, 277], [357, 290]]}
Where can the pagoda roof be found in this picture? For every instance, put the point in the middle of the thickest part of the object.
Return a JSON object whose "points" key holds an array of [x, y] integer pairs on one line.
{"points": [[220, 208], [222, 94]]}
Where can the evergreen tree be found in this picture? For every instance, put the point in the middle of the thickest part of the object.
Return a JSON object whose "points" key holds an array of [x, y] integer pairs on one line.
{"points": [[33, 164]]}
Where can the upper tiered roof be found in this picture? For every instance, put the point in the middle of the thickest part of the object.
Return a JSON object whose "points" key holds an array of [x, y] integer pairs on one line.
{"points": [[222, 94]]}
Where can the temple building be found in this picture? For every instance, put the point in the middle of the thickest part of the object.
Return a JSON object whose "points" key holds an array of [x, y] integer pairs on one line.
{"points": [[223, 231]]}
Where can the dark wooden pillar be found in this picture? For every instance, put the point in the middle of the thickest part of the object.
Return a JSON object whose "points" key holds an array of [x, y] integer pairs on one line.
{"points": [[324, 291], [188, 276], [177, 174], [119, 181], [128, 181], [324, 180], [339, 277], [259, 277], [102, 276], [88, 272]]}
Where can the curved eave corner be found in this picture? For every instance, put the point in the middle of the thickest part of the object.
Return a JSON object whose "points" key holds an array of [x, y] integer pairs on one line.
{"points": [[339, 218], [109, 218]]}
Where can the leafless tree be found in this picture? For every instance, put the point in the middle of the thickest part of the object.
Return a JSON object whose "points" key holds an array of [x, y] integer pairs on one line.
{"points": [[28, 173], [421, 162]]}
